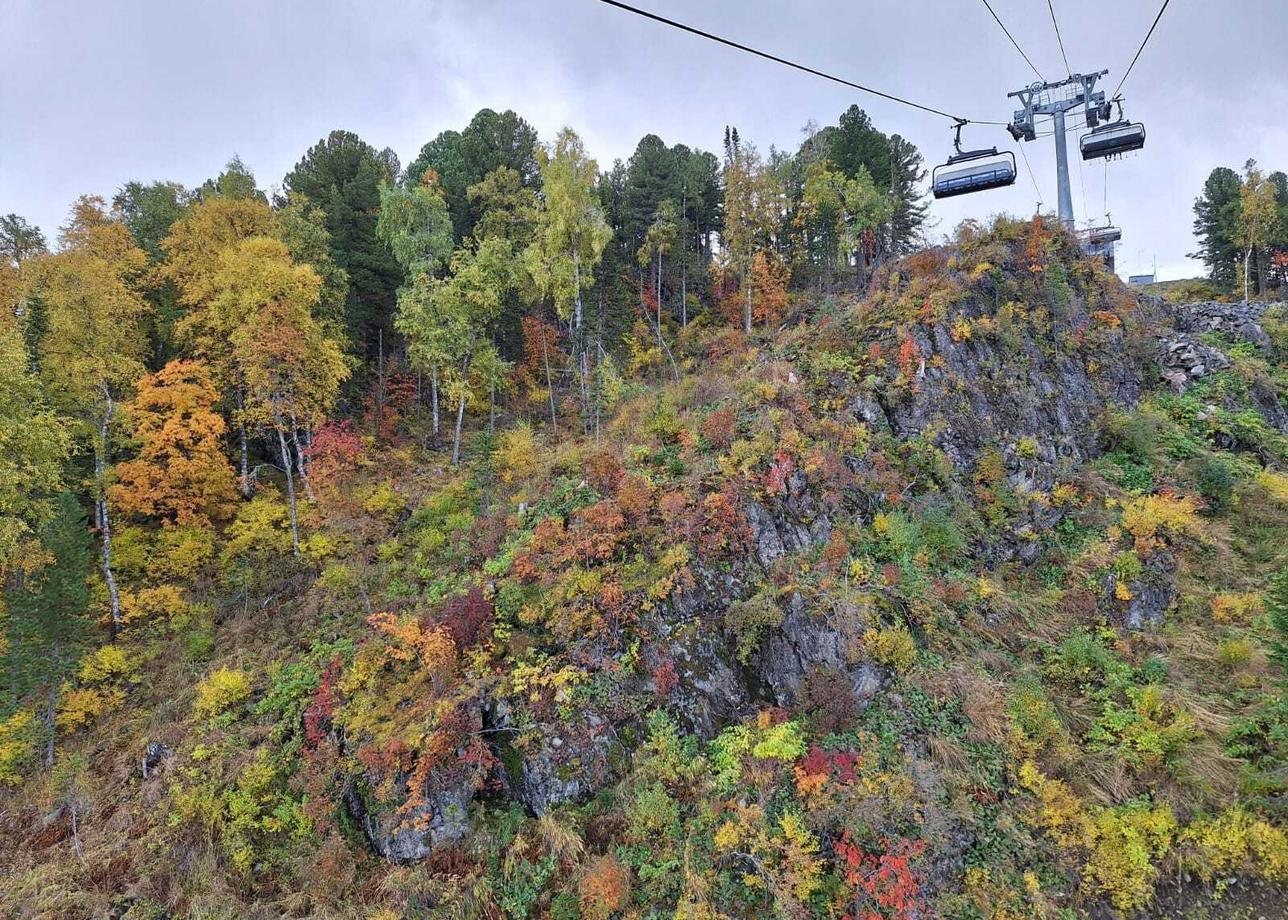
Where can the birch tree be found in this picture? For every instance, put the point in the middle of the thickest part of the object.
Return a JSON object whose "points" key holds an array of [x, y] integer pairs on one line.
{"points": [[95, 346]]}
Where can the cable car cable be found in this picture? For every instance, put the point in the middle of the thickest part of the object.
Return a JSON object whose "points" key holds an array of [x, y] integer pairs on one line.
{"points": [[1161, 10], [1067, 68], [788, 63], [1034, 178], [1014, 42]]}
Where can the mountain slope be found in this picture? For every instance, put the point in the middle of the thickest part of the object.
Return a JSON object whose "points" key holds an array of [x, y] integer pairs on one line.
{"points": [[952, 600]]}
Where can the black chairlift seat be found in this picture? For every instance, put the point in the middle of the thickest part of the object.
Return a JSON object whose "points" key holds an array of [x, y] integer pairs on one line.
{"points": [[1099, 236], [1113, 139], [973, 171]]}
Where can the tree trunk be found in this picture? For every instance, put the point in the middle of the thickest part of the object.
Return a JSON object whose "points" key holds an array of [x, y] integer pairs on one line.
{"points": [[746, 309], [1247, 260], [456, 439], [52, 712], [433, 398], [550, 386], [658, 292], [245, 443], [290, 483], [300, 466], [578, 321], [101, 456]]}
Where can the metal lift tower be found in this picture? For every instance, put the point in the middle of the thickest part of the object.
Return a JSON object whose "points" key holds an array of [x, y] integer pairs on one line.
{"points": [[1057, 99]]}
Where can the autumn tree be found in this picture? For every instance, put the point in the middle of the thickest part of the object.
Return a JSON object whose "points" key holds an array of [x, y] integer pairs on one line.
{"points": [[571, 234], [415, 224], [448, 321], [195, 248], [96, 342], [660, 239], [290, 368], [303, 229], [34, 443], [752, 209], [842, 216], [149, 211], [180, 473], [1257, 216], [19, 240]]}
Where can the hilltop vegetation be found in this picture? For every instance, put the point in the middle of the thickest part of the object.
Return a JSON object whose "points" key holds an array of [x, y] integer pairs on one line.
{"points": [[473, 545]]}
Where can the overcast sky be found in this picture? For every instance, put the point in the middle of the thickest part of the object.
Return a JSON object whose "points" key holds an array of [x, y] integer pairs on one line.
{"points": [[93, 94]]}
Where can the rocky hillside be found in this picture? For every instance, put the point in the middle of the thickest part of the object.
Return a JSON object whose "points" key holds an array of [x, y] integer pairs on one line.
{"points": [[958, 599]]}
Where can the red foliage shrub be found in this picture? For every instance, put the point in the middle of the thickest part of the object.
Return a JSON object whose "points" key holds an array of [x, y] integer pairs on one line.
{"points": [[665, 678], [779, 472], [598, 533], [835, 553], [886, 886], [837, 765], [719, 427], [604, 888], [466, 617], [726, 343], [604, 472], [336, 449], [321, 709], [724, 530]]}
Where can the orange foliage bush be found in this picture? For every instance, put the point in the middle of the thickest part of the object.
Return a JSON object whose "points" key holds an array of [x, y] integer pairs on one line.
{"points": [[604, 888]]}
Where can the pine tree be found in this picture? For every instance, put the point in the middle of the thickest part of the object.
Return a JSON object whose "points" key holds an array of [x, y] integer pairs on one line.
{"points": [[49, 618], [1216, 217]]}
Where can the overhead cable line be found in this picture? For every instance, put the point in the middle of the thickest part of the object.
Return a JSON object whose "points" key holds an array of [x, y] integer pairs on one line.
{"points": [[1067, 68], [1036, 188], [1161, 10], [1014, 42], [788, 63]]}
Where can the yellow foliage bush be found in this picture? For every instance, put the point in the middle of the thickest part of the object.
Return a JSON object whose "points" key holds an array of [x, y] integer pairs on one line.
{"points": [[107, 664], [179, 552], [1235, 608], [516, 452], [1150, 517], [1274, 485], [19, 735], [1125, 844], [1234, 841], [79, 706], [220, 691], [1121, 845], [893, 647], [159, 602], [384, 502]]}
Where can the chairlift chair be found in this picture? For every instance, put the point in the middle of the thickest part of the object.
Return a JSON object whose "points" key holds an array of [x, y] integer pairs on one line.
{"points": [[972, 170], [1113, 139]]}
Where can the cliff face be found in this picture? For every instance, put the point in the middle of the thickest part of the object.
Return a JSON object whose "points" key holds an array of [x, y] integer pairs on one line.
{"points": [[999, 391]]}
